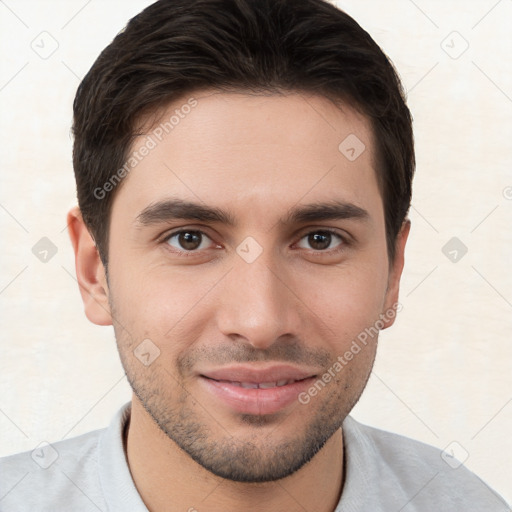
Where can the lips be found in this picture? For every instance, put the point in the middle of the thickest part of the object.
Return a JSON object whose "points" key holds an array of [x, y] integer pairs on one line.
{"points": [[251, 373], [259, 391]]}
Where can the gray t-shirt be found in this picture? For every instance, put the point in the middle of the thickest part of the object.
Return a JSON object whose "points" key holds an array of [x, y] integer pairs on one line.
{"points": [[384, 472]]}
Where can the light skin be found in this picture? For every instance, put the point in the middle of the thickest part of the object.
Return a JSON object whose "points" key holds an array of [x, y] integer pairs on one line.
{"points": [[320, 280]]}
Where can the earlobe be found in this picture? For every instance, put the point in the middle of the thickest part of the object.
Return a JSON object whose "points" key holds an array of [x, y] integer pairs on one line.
{"points": [[395, 273], [90, 271]]}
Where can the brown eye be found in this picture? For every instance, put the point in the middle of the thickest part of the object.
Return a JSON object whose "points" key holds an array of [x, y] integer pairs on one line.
{"points": [[188, 240], [320, 240]]}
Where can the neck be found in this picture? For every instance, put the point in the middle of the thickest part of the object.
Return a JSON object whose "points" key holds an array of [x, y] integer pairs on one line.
{"points": [[169, 480]]}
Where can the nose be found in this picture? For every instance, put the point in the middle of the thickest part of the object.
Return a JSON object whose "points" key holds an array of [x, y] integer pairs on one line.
{"points": [[257, 304]]}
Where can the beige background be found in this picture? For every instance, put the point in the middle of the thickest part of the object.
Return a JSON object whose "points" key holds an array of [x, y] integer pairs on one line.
{"points": [[442, 372]]}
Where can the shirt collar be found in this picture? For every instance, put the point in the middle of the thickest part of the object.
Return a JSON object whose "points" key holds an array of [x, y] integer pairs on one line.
{"points": [[115, 477]]}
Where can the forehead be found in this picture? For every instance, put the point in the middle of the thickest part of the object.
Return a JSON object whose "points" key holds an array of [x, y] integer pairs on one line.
{"points": [[266, 151]]}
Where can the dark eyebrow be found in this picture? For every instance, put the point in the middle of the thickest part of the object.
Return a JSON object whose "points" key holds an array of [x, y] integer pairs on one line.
{"points": [[165, 211], [172, 209], [332, 210]]}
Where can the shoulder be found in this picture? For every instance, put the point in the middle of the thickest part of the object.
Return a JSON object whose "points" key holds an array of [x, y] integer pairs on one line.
{"points": [[409, 473], [62, 472]]}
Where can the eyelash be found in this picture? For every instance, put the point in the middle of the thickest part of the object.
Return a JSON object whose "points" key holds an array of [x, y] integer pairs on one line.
{"points": [[344, 241]]}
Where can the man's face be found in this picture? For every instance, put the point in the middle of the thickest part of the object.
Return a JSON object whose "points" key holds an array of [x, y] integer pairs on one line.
{"points": [[252, 303]]}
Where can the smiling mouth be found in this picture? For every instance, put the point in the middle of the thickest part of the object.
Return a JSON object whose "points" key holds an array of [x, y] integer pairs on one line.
{"points": [[249, 389]]}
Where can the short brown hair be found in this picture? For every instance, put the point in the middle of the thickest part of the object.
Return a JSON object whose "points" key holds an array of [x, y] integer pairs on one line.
{"points": [[177, 46]]}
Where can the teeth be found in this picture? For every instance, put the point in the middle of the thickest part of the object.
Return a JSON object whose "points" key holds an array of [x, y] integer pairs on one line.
{"points": [[266, 385], [249, 385], [262, 385]]}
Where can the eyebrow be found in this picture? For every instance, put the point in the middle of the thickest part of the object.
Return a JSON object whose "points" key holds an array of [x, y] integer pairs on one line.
{"points": [[332, 210], [174, 209]]}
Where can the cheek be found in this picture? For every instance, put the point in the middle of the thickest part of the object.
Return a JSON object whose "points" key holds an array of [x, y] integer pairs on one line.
{"points": [[159, 303], [346, 302]]}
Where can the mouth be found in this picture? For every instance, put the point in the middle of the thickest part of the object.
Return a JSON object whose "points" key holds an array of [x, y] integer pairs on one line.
{"points": [[253, 391], [259, 385]]}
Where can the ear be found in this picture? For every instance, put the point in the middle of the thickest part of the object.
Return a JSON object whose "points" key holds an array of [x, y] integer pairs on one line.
{"points": [[395, 272], [90, 271]]}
